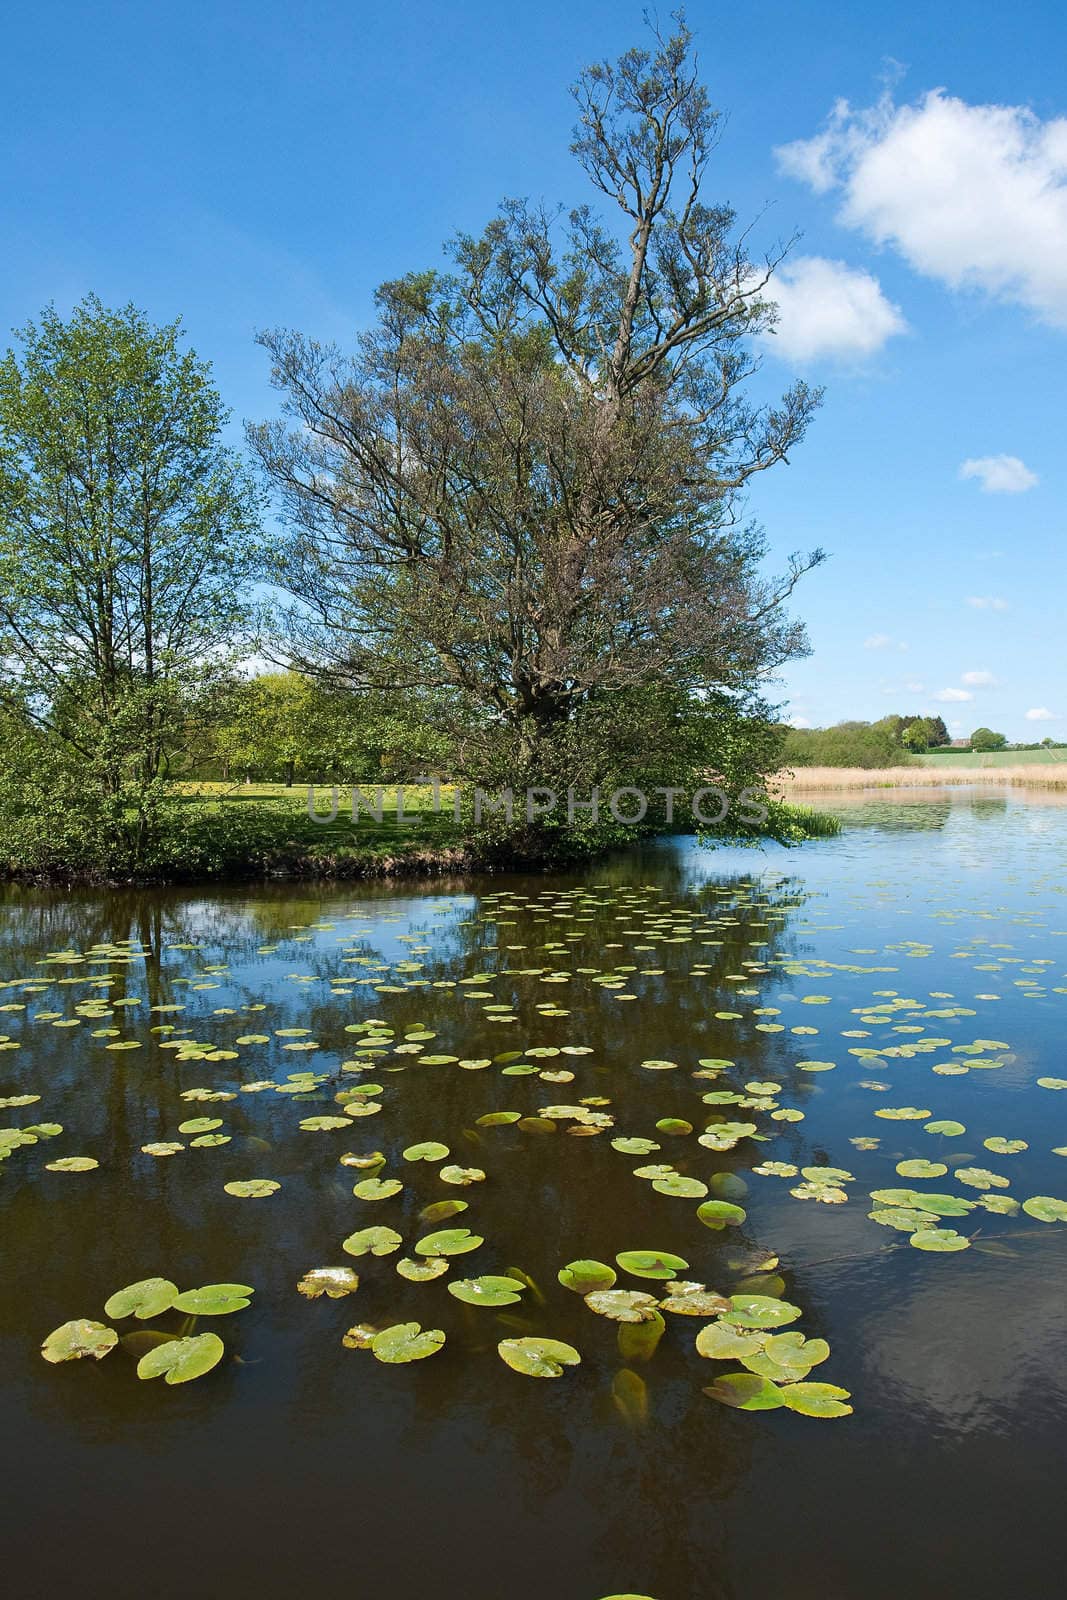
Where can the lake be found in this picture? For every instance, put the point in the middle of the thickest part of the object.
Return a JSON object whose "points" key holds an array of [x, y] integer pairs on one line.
{"points": [[916, 965]]}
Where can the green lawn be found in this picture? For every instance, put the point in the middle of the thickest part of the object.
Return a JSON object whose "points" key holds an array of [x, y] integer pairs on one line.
{"points": [[992, 758]]}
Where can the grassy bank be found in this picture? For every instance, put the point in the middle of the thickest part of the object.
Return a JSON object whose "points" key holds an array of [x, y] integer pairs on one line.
{"points": [[1031, 775], [217, 831]]}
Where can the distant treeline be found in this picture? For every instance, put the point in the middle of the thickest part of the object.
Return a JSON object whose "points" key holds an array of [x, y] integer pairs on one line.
{"points": [[892, 741]]}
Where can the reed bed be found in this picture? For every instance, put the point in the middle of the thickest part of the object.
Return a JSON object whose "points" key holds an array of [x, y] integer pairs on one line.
{"points": [[800, 780]]}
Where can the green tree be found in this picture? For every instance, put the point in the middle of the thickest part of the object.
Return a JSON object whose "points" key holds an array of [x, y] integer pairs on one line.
{"points": [[128, 538], [984, 739], [523, 492]]}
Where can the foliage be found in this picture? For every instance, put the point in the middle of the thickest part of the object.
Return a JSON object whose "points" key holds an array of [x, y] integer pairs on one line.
{"points": [[521, 493], [986, 739], [128, 536]]}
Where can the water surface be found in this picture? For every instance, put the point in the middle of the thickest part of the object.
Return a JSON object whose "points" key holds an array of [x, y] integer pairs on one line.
{"points": [[301, 1465]]}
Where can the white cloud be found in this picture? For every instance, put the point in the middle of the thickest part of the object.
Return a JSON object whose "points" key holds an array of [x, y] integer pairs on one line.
{"points": [[953, 696], [979, 680], [827, 308], [1000, 474], [987, 602], [974, 196], [1041, 714], [877, 641], [799, 722]]}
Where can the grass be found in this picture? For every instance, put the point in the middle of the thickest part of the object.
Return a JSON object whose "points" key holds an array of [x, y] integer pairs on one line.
{"points": [[993, 758], [820, 779]]}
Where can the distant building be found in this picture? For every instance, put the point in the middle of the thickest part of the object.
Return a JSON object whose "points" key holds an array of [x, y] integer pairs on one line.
{"points": [[960, 744]]}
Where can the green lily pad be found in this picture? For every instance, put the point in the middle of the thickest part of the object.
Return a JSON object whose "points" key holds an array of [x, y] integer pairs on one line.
{"points": [[720, 1214], [214, 1299], [921, 1169], [142, 1300], [746, 1391], [448, 1242], [377, 1188], [721, 1341], [585, 1277], [538, 1358], [430, 1150], [182, 1360], [680, 1187], [252, 1188], [1045, 1208], [422, 1271], [200, 1125], [946, 1239], [372, 1242], [651, 1263], [74, 1340], [72, 1164], [486, 1291], [816, 1399], [406, 1341], [760, 1311]]}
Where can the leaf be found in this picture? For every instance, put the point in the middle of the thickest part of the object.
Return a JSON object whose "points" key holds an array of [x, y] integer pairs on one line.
{"points": [[74, 1340], [372, 1241], [816, 1399], [538, 1358], [406, 1341], [181, 1360], [448, 1242], [142, 1300], [921, 1169], [637, 1341], [430, 1150], [334, 1282], [422, 1271], [486, 1291], [377, 1188], [1045, 1208], [72, 1164], [746, 1391], [720, 1341], [760, 1311], [939, 1239], [651, 1263], [622, 1305], [682, 1188], [584, 1277], [720, 1214], [463, 1176], [214, 1299], [252, 1188]]}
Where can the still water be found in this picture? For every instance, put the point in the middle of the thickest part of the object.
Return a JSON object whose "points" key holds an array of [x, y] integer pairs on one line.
{"points": [[931, 935]]}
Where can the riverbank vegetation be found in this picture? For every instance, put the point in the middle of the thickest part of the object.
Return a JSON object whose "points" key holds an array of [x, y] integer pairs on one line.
{"points": [[501, 541]]}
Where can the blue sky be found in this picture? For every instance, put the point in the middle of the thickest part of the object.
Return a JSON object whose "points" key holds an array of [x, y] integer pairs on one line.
{"points": [[247, 165]]}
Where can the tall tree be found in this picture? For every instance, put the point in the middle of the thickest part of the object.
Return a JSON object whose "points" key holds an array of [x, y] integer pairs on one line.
{"points": [[128, 537], [524, 488]]}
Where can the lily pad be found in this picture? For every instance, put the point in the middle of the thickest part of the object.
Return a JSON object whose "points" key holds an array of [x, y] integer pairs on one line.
{"points": [[651, 1263], [1045, 1208], [746, 1391], [816, 1399], [148, 1298], [585, 1277], [334, 1282], [182, 1360], [214, 1299], [486, 1291], [720, 1214], [622, 1305], [448, 1242], [372, 1242], [252, 1188], [77, 1339], [406, 1341], [538, 1358], [760, 1311]]}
